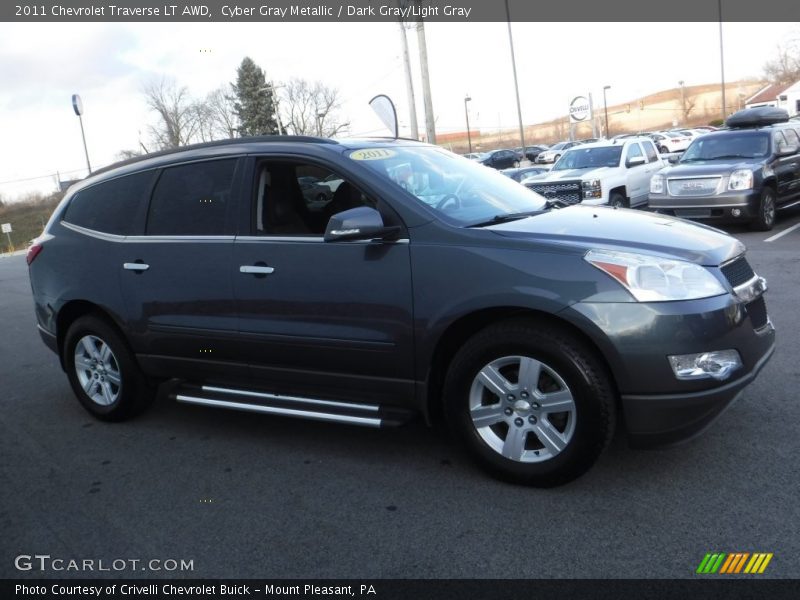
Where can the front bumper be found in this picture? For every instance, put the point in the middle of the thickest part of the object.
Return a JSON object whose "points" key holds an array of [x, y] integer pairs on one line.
{"points": [[661, 420], [725, 207], [636, 339]]}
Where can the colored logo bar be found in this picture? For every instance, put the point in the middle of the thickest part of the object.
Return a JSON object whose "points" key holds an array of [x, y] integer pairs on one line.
{"points": [[735, 562]]}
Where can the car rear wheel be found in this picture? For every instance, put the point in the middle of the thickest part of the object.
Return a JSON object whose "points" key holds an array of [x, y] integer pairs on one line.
{"points": [[765, 219], [531, 402], [663, 150], [516, 164], [102, 371]]}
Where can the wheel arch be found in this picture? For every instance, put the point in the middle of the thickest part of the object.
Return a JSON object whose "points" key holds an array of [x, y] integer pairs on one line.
{"points": [[74, 310], [460, 330]]}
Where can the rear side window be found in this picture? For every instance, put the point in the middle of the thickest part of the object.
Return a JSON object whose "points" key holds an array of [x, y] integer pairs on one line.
{"points": [[192, 199], [109, 207], [650, 150]]}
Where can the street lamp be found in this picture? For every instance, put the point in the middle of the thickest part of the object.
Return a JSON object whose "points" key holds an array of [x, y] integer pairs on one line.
{"points": [[683, 103], [605, 106], [466, 114], [77, 106]]}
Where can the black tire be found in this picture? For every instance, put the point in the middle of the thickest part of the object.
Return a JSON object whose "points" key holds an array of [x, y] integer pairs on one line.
{"points": [[765, 219], [516, 164], [583, 376], [617, 200], [663, 150], [130, 397], [555, 158]]}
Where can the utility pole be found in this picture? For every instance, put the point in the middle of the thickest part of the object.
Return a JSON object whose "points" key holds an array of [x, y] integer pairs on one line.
{"points": [[683, 103], [412, 103], [516, 86], [430, 127], [466, 114]]}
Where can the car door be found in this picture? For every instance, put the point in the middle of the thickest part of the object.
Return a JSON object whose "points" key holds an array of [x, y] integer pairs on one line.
{"points": [[320, 319], [791, 163], [176, 277], [638, 177]]}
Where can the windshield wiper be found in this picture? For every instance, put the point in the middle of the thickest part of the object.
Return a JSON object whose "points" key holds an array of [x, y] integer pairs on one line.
{"points": [[724, 156], [506, 217]]}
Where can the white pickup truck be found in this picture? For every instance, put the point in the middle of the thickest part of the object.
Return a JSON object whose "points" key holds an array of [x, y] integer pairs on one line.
{"points": [[615, 172]]}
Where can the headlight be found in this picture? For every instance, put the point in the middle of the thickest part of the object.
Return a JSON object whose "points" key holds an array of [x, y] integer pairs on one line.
{"points": [[741, 179], [591, 188], [657, 184], [654, 279]]}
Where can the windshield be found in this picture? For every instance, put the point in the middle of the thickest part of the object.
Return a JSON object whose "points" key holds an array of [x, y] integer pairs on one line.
{"points": [[460, 190], [728, 145], [589, 158]]}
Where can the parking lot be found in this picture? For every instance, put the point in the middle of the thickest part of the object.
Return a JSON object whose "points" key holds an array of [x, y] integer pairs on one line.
{"points": [[245, 496]]}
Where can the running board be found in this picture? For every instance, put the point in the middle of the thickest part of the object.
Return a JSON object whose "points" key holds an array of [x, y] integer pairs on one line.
{"points": [[367, 415]]}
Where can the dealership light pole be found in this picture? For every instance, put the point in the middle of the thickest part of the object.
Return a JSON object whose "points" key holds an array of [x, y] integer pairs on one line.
{"points": [[683, 103], [605, 106], [721, 59], [466, 114], [77, 106]]}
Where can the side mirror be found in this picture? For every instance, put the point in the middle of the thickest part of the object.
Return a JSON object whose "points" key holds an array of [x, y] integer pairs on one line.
{"points": [[362, 223], [634, 161], [673, 159]]}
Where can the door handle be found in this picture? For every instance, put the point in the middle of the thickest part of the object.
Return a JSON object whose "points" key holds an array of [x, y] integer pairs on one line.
{"points": [[256, 270], [135, 266]]}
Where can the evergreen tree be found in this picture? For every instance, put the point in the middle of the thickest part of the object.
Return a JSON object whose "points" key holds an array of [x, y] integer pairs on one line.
{"points": [[254, 102]]}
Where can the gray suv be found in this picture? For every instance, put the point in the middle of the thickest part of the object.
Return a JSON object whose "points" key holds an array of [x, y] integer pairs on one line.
{"points": [[427, 285]]}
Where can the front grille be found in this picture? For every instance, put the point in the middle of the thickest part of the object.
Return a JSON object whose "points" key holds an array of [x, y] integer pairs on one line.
{"points": [[757, 310], [695, 186], [738, 271], [567, 191]]}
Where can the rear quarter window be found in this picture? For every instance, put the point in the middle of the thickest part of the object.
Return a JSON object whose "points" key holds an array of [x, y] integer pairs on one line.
{"points": [[111, 206]]}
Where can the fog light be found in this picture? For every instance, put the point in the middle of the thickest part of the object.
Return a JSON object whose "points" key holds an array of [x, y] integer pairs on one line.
{"points": [[718, 364], [736, 212]]}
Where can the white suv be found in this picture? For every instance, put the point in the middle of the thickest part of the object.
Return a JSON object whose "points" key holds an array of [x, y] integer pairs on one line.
{"points": [[613, 172]]}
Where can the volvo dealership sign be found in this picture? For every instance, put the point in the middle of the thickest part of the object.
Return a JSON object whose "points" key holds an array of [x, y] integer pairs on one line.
{"points": [[580, 110]]}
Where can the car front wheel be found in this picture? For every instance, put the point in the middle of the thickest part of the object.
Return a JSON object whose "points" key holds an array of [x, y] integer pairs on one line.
{"points": [[102, 371], [765, 219], [531, 402]]}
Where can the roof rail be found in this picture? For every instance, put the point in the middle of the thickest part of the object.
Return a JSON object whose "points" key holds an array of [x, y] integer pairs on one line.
{"points": [[218, 143]]}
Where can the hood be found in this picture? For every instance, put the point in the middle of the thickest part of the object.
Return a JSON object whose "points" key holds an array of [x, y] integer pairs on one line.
{"points": [[711, 167], [572, 174], [587, 227]]}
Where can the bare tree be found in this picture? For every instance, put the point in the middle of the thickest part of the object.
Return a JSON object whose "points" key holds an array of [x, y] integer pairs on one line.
{"points": [[177, 113], [216, 116], [312, 108], [785, 66]]}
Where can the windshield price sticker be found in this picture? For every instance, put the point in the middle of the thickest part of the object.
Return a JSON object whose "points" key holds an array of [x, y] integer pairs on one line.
{"points": [[372, 154]]}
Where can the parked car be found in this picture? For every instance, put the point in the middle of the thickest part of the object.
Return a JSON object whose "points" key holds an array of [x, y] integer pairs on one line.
{"points": [[554, 152], [524, 172], [532, 331], [668, 142], [744, 173], [500, 159], [531, 152], [613, 172], [315, 193]]}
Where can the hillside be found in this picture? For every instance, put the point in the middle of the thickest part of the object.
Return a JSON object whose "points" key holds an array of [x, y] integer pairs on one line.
{"points": [[27, 218], [656, 111]]}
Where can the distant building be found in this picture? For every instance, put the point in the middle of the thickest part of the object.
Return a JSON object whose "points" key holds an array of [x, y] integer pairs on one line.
{"points": [[786, 96]]}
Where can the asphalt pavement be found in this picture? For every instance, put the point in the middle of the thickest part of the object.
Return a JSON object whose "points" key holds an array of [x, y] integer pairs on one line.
{"points": [[267, 497]]}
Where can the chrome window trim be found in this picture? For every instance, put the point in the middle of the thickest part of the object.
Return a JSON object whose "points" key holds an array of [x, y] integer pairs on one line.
{"points": [[309, 239], [137, 239]]}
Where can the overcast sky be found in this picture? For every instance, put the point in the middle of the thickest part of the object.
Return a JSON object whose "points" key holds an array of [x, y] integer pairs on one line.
{"points": [[43, 64]]}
